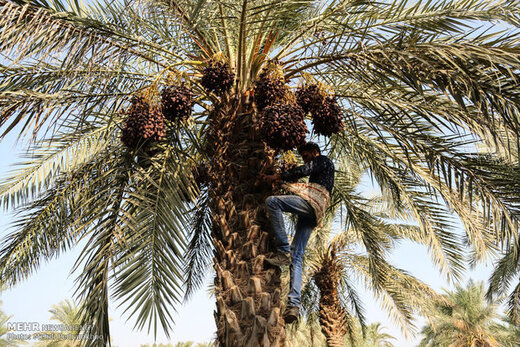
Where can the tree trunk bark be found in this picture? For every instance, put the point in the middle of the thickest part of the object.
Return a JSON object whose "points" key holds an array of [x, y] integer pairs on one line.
{"points": [[248, 294], [332, 325], [333, 317]]}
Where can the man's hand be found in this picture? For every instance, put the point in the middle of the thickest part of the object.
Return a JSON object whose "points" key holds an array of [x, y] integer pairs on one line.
{"points": [[276, 178]]}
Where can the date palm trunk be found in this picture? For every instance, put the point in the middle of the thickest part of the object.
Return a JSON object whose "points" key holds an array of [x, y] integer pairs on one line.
{"points": [[333, 317], [248, 295]]}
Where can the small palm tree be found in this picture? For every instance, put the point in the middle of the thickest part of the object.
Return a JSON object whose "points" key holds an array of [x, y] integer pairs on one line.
{"points": [[376, 337], [66, 313], [467, 321], [334, 319], [401, 294], [4, 339], [308, 333], [68, 316], [371, 336], [3, 328], [182, 344]]}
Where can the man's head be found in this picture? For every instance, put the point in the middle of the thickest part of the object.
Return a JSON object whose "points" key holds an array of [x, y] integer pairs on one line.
{"points": [[309, 151]]}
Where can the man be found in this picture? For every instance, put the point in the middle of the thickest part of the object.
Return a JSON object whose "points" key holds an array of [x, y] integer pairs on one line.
{"points": [[309, 204]]}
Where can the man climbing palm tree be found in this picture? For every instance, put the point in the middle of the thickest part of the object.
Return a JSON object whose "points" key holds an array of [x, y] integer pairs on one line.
{"points": [[309, 203]]}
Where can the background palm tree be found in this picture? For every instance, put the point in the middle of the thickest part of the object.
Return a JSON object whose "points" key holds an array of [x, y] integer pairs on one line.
{"points": [[5, 340], [4, 330], [68, 319], [66, 313], [375, 336], [332, 269], [408, 77], [307, 332], [182, 344], [3, 327], [401, 294], [469, 320]]}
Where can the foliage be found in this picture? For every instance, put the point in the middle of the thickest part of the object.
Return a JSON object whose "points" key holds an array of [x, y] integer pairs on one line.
{"points": [[374, 336], [5, 340], [468, 320], [67, 315], [506, 333], [308, 333], [504, 274]]}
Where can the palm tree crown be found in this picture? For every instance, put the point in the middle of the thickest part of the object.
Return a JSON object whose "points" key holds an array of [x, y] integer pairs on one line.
{"points": [[467, 321]]}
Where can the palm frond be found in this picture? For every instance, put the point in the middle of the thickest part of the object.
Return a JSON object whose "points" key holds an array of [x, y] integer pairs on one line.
{"points": [[199, 255], [149, 262], [93, 282], [96, 257], [505, 272], [46, 160], [405, 192], [51, 28], [401, 295], [351, 298], [513, 305], [56, 220]]}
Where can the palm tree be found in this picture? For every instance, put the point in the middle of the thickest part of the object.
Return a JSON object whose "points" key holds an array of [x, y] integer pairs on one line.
{"points": [[333, 268], [3, 327], [182, 344], [376, 337], [372, 337], [305, 332], [408, 77], [67, 315], [5, 339], [467, 321], [334, 319], [308, 333]]}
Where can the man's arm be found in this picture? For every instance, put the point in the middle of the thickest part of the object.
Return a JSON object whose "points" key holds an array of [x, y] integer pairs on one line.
{"points": [[307, 169], [276, 178]]}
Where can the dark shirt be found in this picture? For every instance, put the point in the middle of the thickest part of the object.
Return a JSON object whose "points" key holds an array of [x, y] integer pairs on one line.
{"points": [[320, 170]]}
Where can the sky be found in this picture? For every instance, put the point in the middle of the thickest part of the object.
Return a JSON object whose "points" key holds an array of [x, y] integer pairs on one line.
{"points": [[31, 300]]}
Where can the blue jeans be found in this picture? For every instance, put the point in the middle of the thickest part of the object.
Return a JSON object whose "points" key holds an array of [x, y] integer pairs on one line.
{"points": [[306, 223]]}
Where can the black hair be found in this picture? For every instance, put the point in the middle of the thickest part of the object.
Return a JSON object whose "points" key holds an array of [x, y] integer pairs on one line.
{"points": [[309, 147]]}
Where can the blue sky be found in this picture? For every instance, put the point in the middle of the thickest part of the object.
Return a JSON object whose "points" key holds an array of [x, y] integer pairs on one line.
{"points": [[52, 283]]}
